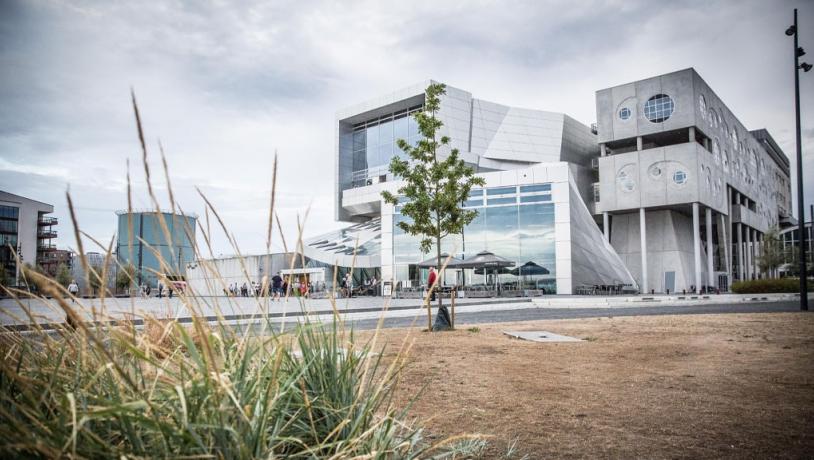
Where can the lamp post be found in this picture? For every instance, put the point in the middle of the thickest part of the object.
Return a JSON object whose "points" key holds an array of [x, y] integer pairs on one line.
{"points": [[798, 52]]}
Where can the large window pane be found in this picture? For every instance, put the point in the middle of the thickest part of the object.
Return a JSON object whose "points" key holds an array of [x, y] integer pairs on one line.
{"points": [[372, 154], [400, 130], [501, 231], [372, 135], [412, 127], [359, 140], [537, 235], [500, 191], [386, 133]]}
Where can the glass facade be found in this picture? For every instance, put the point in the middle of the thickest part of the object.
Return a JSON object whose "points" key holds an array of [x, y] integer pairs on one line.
{"points": [[9, 216], [375, 143], [516, 223], [174, 254]]}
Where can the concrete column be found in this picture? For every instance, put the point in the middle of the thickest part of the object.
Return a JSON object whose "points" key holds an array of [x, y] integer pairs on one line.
{"points": [[741, 265], [603, 151], [606, 226], [639, 143], [729, 240], [692, 133], [727, 249], [643, 231], [710, 265], [748, 253], [757, 254], [696, 240]]}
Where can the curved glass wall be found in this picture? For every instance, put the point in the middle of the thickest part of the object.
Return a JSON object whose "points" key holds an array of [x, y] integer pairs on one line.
{"points": [[516, 223], [157, 254]]}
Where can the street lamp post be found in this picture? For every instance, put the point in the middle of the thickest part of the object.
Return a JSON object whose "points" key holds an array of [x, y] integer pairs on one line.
{"points": [[798, 52]]}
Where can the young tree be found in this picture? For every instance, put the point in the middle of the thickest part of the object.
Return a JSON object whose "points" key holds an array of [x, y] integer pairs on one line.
{"points": [[126, 277], [95, 278], [434, 187], [773, 254], [63, 275]]}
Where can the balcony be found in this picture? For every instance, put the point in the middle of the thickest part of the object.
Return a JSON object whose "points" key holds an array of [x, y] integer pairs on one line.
{"points": [[47, 221], [46, 234], [46, 247]]}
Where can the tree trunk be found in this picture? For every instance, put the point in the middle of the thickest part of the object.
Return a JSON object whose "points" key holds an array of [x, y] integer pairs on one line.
{"points": [[442, 320]]}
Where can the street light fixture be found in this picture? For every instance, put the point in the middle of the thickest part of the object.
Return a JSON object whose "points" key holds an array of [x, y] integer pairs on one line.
{"points": [[801, 216]]}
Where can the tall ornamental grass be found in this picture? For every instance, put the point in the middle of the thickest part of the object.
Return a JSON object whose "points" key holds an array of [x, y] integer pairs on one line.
{"points": [[111, 388]]}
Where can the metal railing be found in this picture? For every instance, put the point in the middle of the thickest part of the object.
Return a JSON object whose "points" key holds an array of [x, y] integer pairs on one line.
{"points": [[46, 234], [47, 221]]}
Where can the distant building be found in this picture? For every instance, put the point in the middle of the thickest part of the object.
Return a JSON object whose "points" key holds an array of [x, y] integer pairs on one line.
{"points": [[152, 247], [51, 261], [27, 230]]}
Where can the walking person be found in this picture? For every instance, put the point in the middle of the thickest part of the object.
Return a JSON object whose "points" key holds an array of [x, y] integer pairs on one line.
{"points": [[276, 286], [285, 287], [160, 289], [431, 283], [73, 290]]}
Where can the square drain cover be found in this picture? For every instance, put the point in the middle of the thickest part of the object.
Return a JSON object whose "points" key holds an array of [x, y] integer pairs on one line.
{"points": [[541, 336]]}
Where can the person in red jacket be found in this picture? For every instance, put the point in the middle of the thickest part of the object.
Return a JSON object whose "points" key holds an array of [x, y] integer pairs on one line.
{"points": [[431, 282]]}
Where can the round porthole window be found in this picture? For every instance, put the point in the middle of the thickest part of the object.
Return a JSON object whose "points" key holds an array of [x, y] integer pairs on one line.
{"points": [[624, 113], [702, 106], [680, 177], [655, 172], [625, 182], [659, 108]]}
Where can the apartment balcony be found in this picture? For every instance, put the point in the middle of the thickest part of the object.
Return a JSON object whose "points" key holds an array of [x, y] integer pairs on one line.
{"points": [[46, 234], [46, 247], [43, 221]]}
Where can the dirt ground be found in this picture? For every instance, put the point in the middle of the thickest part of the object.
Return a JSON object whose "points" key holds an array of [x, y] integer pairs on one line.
{"points": [[702, 386]]}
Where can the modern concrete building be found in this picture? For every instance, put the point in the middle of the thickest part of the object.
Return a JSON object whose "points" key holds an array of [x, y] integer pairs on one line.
{"points": [[156, 243], [668, 192], [25, 229], [685, 190], [537, 167]]}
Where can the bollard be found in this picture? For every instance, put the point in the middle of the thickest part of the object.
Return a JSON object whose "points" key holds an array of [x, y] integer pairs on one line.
{"points": [[454, 295]]}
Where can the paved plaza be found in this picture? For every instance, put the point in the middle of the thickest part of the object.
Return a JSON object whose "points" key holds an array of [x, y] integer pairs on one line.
{"points": [[366, 311]]}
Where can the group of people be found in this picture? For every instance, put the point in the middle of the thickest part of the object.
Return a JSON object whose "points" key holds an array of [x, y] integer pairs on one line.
{"points": [[244, 290], [145, 290], [347, 289], [279, 286]]}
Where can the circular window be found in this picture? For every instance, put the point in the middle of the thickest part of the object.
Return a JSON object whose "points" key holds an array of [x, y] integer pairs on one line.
{"points": [[680, 177], [624, 113], [655, 172], [659, 108], [626, 182], [702, 106], [716, 151]]}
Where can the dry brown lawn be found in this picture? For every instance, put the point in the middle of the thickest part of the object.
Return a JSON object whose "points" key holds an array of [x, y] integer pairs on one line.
{"points": [[702, 386]]}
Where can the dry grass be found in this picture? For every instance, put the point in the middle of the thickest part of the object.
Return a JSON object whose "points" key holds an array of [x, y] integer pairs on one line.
{"points": [[706, 386]]}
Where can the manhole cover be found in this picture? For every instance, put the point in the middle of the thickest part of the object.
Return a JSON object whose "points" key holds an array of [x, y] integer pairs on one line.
{"points": [[541, 336]]}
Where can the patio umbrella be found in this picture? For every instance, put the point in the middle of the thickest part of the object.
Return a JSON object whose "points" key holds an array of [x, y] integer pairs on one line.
{"points": [[454, 262], [486, 261], [530, 269], [491, 270]]}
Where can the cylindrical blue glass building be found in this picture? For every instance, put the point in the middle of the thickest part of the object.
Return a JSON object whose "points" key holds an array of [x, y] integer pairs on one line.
{"points": [[151, 248]]}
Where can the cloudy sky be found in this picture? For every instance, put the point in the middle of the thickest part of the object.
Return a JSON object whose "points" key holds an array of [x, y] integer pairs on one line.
{"points": [[225, 84]]}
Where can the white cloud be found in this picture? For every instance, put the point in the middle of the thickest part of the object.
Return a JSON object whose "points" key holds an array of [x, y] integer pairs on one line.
{"points": [[225, 85]]}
